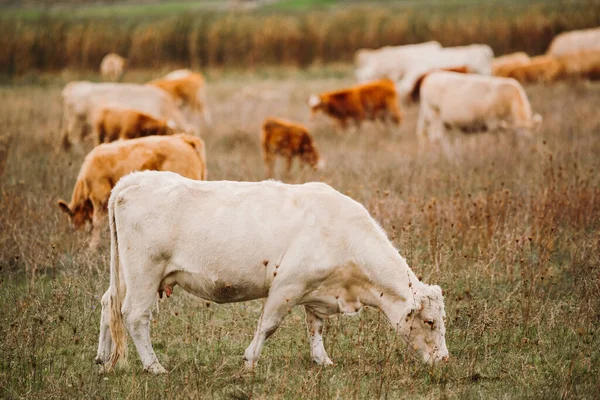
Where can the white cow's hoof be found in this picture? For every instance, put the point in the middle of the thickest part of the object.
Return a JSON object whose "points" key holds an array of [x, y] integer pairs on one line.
{"points": [[322, 361], [249, 364], [156, 369]]}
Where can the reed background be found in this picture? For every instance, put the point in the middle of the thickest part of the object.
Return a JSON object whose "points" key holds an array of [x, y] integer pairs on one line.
{"points": [[287, 33]]}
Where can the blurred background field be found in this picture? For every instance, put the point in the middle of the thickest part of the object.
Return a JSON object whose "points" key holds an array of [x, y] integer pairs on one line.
{"points": [[294, 33]]}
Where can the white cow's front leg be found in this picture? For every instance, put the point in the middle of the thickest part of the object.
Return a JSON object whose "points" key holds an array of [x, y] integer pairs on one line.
{"points": [[315, 330], [105, 340], [275, 309]]}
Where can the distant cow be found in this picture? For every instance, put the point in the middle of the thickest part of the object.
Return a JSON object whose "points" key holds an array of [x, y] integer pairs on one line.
{"points": [[543, 69], [107, 163], [188, 89], [305, 245], [475, 58], [82, 99], [472, 102], [110, 124], [391, 61], [370, 101], [505, 63], [287, 139], [574, 42], [112, 67], [583, 64]]}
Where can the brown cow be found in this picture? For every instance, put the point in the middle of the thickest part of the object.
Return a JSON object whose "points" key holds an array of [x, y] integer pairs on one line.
{"points": [[375, 100], [188, 89], [287, 139], [107, 163], [110, 124], [539, 69], [583, 64], [502, 64]]}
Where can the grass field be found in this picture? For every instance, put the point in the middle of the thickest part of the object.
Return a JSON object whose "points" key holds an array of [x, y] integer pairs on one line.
{"points": [[509, 228]]}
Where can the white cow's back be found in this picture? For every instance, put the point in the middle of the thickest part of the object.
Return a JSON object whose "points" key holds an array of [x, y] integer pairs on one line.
{"points": [[224, 232]]}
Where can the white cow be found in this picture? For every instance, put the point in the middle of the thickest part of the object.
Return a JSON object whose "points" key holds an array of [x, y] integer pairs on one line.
{"points": [[81, 99], [469, 101], [475, 58], [390, 61], [112, 67], [236, 241], [574, 42]]}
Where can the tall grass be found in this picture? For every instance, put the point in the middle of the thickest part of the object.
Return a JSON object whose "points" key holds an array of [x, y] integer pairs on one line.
{"points": [[253, 39], [509, 228]]}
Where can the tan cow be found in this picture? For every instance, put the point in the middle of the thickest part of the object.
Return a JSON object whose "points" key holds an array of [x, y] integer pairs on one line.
{"points": [[473, 102], [574, 42], [188, 89], [287, 139], [112, 67], [507, 62], [539, 69], [584, 64], [110, 124], [107, 163], [370, 101]]}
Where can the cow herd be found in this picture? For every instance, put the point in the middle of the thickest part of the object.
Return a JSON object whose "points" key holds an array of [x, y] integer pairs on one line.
{"points": [[290, 244]]}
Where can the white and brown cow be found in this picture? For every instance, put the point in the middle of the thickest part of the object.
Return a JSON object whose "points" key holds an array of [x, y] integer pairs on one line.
{"points": [[292, 245], [82, 100]]}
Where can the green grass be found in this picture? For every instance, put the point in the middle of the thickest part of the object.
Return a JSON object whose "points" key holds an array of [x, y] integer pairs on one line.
{"points": [[509, 228]]}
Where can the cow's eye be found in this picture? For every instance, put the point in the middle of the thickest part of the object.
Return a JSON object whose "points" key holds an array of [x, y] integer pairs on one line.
{"points": [[429, 322]]}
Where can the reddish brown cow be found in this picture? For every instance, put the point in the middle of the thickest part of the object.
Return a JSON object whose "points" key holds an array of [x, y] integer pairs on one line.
{"points": [[373, 101], [107, 163], [287, 139]]}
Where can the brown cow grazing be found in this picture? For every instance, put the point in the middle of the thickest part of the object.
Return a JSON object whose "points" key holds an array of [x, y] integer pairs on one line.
{"points": [[583, 64], [539, 69], [110, 124], [373, 101], [107, 163], [188, 89], [287, 139]]}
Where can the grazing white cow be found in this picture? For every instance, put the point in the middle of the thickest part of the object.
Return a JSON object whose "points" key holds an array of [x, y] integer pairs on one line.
{"points": [[391, 61], [472, 102], [574, 42], [236, 241], [82, 99]]}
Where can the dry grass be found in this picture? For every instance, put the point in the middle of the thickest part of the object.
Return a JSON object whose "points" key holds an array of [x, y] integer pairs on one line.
{"points": [[510, 229]]}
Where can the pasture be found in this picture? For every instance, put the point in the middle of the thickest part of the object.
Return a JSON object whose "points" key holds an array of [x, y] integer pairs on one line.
{"points": [[509, 227]]}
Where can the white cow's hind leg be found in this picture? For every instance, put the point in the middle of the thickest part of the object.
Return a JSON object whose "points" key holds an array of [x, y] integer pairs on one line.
{"points": [[315, 329], [105, 340], [275, 309], [137, 310]]}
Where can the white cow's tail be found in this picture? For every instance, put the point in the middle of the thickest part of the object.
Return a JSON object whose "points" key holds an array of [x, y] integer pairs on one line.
{"points": [[117, 327]]}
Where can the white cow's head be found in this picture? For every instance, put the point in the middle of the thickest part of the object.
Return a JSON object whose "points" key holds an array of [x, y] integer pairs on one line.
{"points": [[424, 326]]}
